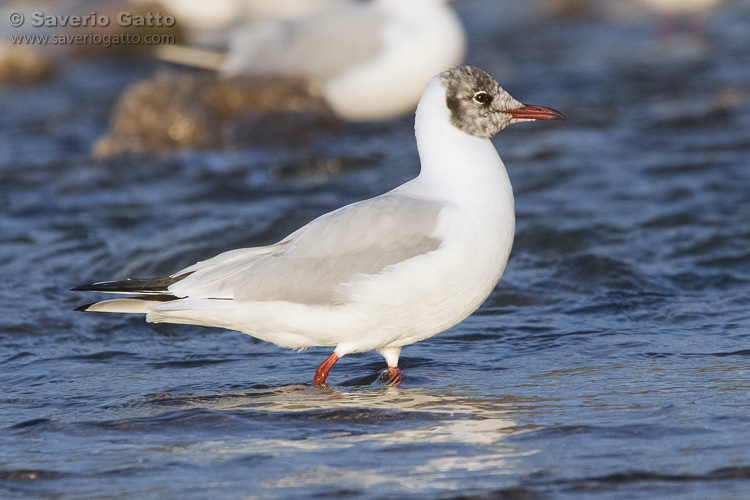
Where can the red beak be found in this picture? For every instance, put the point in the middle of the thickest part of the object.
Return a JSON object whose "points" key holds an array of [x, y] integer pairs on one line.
{"points": [[529, 112]]}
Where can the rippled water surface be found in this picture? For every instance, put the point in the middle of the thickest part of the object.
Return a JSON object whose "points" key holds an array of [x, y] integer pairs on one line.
{"points": [[611, 362]]}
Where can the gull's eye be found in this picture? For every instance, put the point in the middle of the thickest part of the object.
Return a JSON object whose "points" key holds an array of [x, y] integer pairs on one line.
{"points": [[483, 98]]}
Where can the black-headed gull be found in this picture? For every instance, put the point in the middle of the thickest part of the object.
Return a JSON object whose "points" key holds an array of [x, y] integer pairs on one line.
{"points": [[377, 274]]}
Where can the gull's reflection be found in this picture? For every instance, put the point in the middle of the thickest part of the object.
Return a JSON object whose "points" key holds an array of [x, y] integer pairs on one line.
{"points": [[439, 417], [416, 439]]}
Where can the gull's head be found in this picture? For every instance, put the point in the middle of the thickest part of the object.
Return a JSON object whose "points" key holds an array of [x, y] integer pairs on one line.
{"points": [[480, 107]]}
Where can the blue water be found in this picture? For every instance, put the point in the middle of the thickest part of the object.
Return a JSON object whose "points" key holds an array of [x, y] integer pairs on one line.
{"points": [[611, 362]]}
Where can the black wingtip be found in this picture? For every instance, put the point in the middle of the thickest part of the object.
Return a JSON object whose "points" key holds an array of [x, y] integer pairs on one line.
{"points": [[133, 286], [84, 307], [126, 286]]}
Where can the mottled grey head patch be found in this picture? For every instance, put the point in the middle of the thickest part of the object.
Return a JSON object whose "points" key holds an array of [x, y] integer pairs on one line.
{"points": [[476, 101]]}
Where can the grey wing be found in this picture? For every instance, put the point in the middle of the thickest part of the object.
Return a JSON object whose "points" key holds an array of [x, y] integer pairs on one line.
{"points": [[321, 45], [312, 263]]}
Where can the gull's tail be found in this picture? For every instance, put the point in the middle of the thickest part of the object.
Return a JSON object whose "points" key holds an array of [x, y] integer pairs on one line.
{"points": [[147, 293], [190, 56]]}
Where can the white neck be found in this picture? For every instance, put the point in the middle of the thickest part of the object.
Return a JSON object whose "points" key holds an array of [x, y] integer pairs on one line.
{"points": [[458, 167]]}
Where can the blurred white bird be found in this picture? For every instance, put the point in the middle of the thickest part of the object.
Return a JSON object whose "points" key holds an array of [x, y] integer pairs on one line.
{"points": [[677, 7], [378, 274], [670, 10], [211, 22], [371, 60]]}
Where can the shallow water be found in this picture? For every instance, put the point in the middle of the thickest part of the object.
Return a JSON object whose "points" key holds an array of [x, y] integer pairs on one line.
{"points": [[611, 362]]}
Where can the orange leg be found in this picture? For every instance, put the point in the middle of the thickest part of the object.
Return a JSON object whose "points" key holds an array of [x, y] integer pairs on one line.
{"points": [[393, 376], [322, 372]]}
